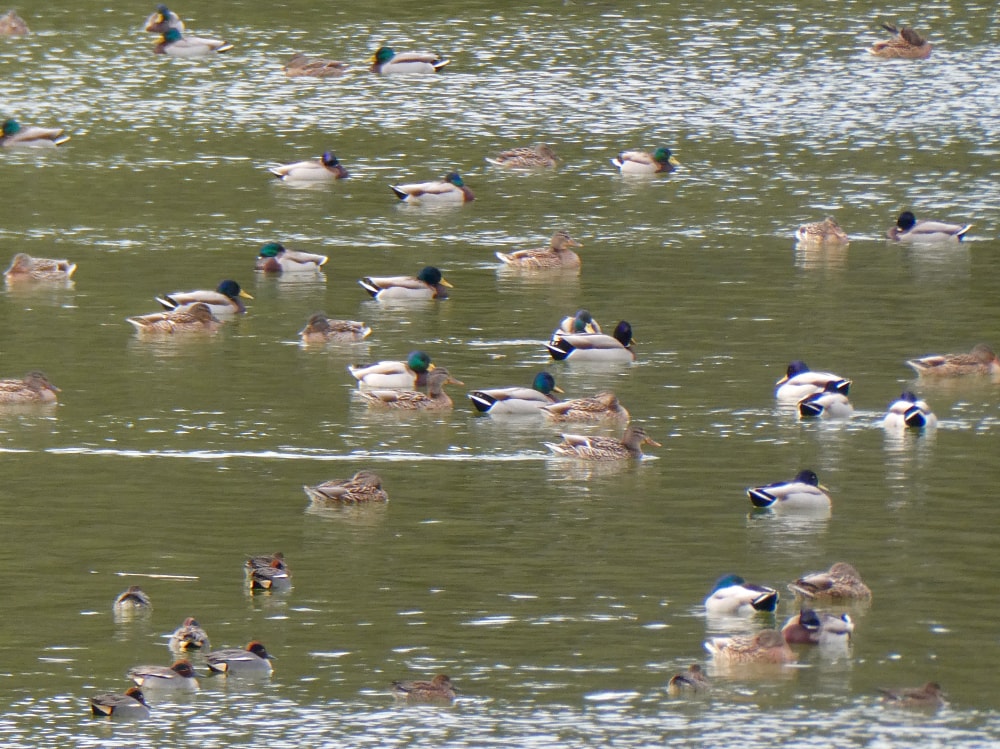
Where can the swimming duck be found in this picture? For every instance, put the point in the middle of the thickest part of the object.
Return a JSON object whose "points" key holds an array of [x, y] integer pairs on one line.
{"points": [[604, 448], [225, 300], [906, 43], [11, 24], [536, 157], [408, 375], [189, 636], [132, 704], [16, 135], [927, 696], [26, 267], [827, 231], [601, 406], [251, 660], [321, 329], [163, 19], [810, 627], [559, 254], [766, 646], [314, 67], [361, 488], [34, 388], [840, 582], [908, 229], [191, 318], [427, 284], [179, 677], [804, 492], [326, 167], [828, 404], [908, 411], [274, 257], [581, 322], [175, 44], [268, 572], [435, 399], [800, 382], [734, 596], [449, 189], [692, 680], [387, 62], [438, 689], [640, 162], [133, 598], [594, 346], [982, 360], [517, 400]]}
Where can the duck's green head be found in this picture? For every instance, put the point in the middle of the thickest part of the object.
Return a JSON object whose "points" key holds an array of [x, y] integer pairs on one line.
{"points": [[906, 220], [545, 383], [664, 156], [807, 477], [728, 581], [454, 178], [583, 322], [272, 249], [623, 334], [164, 11], [419, 361], [172, 35], [432, 276], [11, 127], [383, 55], [232, 290], [330, 159]]}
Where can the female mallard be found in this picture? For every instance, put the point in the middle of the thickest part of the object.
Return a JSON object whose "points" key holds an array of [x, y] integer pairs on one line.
{"points": [[909, 411], [408, 375], [253, 660], [15, 136], [449, 189], [601, 406], [267, 572], [314, 67], [189, 636], [810, 627], [11, 24], [827, 231], [929, 696], [387, 62], [536, 157], [767, 646], [908, 229], [175, 44], [435, 399], [326, 167], [225, 300], [517, 400], [438, 689], [274, 257], [34, 388], [906, 43], [604, 448], [162, 20], [830, 403], [840, 582], [321, 329], [594, 346], [800, 382], [178, 677], [692, 680], [640, 162], [427, 284], [24, 267], [363, 487], [131, 599], [982, 360], [734, 596], [191, 318], [131, 704], [559, 254], [804, 492]]}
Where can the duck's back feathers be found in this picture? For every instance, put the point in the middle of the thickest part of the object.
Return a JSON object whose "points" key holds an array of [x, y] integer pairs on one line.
{"points": [[982, 360], [537, 157], [601, 406]]}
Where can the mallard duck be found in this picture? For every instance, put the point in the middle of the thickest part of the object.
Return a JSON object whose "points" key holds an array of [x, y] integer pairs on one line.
{"points": [[804, 492], [321, 329], [15, 136], [581, 322], [929, 696], [427, 284], [828, 404], [326, 167], [191, 318], [536, 157], [908, 411], [604, 448], [766, 646], [131, 599], [274, 257], [132, 704], [810, 627], [267, 572], [175, 44], [982, 360], [692, 680], [438, 689], [908, 229], [594, 346], [189, 636], [387, 62], [840, 582], [25, 267], [11, 24], [595, 408], [826, 231], [361, 488], [734, 596], [640, 162], [558, 254], [251, 660], [225, 300], [800, 382], [449, 189], [906, 43], [34, 388], [435, 399], [178, 677], [162, 20], [517, 400], [408, 375], [314, 67]]}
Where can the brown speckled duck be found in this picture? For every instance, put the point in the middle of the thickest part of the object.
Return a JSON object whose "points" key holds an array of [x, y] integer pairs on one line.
{"points": [[438, 689], [906, 43], [361, 488], [34, 388], [559, 254], [24, 267], [412, 400]]}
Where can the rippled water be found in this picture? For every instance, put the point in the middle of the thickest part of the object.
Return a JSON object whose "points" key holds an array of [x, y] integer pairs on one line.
{"points": [[560, 598]]}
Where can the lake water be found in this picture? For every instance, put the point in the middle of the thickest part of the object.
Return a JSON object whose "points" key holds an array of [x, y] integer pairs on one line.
{"points": [[560, 598]]}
